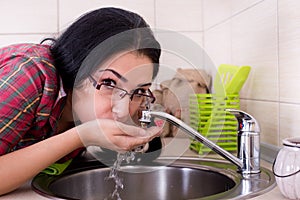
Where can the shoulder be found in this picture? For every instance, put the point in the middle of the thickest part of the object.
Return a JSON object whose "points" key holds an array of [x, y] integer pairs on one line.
{"points": [[25, 49], [28, 59], [30, 69]]}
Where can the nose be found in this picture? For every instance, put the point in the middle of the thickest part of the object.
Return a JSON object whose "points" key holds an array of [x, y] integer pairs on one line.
{"points": [[120, 108]]}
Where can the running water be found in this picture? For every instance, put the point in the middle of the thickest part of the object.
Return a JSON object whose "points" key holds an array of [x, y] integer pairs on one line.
{"points": [[128, 156]]}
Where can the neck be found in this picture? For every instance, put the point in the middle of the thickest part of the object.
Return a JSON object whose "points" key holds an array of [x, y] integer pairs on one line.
{"points": [[66, 120]]}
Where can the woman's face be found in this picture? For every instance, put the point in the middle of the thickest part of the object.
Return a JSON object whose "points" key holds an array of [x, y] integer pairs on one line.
{"points": [[129, 71]]}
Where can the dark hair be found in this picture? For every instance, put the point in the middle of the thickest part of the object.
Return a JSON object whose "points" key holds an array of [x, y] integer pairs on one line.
{"points": [[84, 35]]}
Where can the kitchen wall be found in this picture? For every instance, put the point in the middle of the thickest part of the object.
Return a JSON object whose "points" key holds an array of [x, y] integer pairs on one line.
{"points": [[31, 20], [264, 34]]}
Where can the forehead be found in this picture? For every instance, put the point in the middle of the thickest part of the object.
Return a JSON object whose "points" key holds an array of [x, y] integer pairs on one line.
{"points": [[133, 66]]}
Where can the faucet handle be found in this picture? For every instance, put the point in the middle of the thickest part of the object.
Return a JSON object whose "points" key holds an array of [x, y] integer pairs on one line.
{"points": [[246, 123], [248, 141]]}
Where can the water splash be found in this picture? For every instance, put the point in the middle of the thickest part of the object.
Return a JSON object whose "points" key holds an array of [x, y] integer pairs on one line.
{"points": [[114, 175], [128, 157]]}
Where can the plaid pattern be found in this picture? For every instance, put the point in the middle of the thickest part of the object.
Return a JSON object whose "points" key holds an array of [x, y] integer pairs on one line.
{"points": [[30, 100]]}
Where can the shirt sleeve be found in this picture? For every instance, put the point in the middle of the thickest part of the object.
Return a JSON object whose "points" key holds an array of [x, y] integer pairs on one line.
{"points": [[21, 86]]}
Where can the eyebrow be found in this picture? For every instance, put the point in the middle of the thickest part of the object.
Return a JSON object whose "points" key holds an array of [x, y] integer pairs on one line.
{"points": [[122, 78], [144, 84]]}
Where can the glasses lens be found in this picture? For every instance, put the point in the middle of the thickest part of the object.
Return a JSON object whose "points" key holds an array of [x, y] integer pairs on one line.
{"points": [[138, 96], [142, 97], [118, 93]]}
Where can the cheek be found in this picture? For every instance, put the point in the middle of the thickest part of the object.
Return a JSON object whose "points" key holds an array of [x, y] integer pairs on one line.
{"points": [[81, 104], [88, 105], [135, 113], [133, 109], [103, 107]]}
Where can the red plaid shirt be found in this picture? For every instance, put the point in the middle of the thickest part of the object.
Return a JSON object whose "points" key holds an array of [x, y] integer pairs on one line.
{"points": [[31, 96]]}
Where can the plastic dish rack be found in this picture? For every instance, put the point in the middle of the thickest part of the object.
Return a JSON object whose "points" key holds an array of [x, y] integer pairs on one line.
{"points": [[208, 116]]}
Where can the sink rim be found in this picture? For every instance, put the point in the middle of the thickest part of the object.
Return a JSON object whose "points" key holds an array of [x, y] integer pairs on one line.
{"points": [[41, 182]]}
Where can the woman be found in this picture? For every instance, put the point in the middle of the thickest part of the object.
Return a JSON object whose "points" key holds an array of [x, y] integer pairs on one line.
{"points": [[95, 75]]}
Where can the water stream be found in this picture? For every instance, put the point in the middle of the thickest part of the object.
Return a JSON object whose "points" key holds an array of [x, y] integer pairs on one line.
{"points": [[128, 157]]}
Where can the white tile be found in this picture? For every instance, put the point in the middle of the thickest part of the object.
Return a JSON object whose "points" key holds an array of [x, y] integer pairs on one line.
{"points": [[267, 115], [217, 44], [215, 11], [179, 50], [197, 37], [13, 39], [178, 15], [239, 6], [289, 120], [254, 43], [68, 13], [289, 50], [30, 16]]}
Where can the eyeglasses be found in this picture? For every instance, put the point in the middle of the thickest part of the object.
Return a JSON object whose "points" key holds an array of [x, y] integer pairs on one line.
{"points": [[139, 95]]}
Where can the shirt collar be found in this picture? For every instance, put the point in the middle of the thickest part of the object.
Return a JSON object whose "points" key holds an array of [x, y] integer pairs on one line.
{"points": [[61, 93]]}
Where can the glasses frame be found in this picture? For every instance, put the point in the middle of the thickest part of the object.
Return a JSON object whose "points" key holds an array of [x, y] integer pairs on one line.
{"points": [[98, 87]]}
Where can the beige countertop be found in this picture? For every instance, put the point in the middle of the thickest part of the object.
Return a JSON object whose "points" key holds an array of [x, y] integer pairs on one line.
{"points": [[25, 191]]}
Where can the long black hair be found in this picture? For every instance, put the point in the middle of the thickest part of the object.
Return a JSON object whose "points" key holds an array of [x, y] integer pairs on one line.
{"points": [[84, 35]]}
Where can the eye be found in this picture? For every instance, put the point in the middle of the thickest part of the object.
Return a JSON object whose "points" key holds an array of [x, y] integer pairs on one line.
{"points": [[109, 83], [139, 91]]}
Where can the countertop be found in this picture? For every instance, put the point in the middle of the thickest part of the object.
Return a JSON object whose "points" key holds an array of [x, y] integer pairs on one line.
{"points": [[171, 149]]}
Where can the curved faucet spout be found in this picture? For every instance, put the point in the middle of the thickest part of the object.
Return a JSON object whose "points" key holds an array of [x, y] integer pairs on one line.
{"points": [[243, 165], [196, 135]]}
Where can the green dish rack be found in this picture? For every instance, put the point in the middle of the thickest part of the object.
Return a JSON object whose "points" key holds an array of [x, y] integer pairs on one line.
{"points": [[208, 111], [208, 116]]}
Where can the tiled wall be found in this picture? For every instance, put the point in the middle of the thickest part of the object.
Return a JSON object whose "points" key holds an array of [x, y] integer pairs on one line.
{"points": [[32, 20], [264, 34]]}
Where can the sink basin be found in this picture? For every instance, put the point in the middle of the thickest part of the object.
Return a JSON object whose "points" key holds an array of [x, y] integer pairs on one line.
{"points": [[185, 178]]}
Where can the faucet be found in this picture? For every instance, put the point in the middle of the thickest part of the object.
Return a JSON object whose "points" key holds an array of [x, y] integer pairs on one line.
{"points": [[248, 155]]}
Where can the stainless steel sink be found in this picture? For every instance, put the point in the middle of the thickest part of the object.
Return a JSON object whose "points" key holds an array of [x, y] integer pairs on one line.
{"points": [[186, 178]]}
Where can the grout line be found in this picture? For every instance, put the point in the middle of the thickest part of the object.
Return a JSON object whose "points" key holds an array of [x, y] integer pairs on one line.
{"points": [[270, 101], [235, 14], [155, 14], [278, 72], [203, 34], [35, 33], [202, 28], [155, 81], [202, 15], [186, 31], [58, 16], [231, 37]]}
